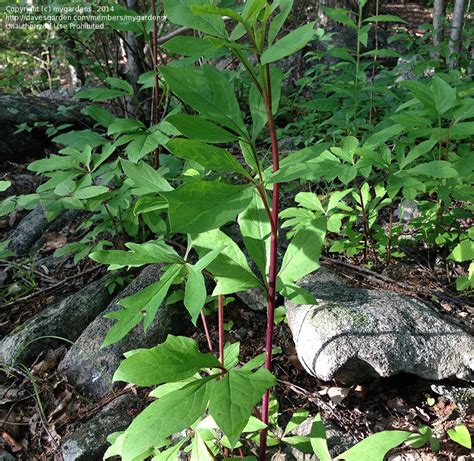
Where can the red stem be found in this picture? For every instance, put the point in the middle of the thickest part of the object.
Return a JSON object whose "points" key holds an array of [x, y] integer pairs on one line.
{"points": [[220, 320], [220, 315], [206, 330], [156, 96], [273, 265]]}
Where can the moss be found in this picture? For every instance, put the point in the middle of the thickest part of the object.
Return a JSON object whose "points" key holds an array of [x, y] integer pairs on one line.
{"points": [[334, 313]]}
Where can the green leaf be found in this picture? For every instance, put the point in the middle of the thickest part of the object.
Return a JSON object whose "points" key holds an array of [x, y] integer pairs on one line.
{"points": [[172, 413], [259, 360], [285, 7], [460, 434], [319, 440], [375, 447], [143, 143], [297, 418], [4, 185], [230, 268], [124, 125], [252, 9], [192, 46], [463, 251], [304, 164], [231, 355], [210, 157], [79, 138], [462, 130], [294, 293], [142, 305], [176, 359], [255, 229], [172, 453], [444, 95], [208, 258], [385, 18], [100, 94], [435, 169], [419, 150], [417, 440], [145, 176], [207, 90], [140, 254], [87, 192], [102, 116], [194, 292], [166, 388], [289, 44], [149, 204], [212, 9], [200, 129], [303, 252], [199, 450], [198, 206], [120, 85], [382, 136], [234, 397], [180, 12], [340, 15]]}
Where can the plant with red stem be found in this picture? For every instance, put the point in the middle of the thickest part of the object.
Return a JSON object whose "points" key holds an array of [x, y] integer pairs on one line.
{"points": [[200, 207]]}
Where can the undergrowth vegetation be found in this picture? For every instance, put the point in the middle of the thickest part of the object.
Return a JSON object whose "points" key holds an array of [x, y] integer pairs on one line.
{"points": [[377, 164]]}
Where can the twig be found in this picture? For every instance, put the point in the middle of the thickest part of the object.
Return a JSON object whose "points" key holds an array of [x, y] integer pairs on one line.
{"points": [[206, 330], [50, 288], [383, 278]]}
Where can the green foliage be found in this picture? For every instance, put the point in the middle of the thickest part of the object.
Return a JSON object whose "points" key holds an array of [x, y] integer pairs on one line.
{"points": [[229, 394], [460, 434]]}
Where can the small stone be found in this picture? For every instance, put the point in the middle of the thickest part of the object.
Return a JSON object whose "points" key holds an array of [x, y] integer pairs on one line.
{"points": [[89, 442], [253, 298], [354, 335]]}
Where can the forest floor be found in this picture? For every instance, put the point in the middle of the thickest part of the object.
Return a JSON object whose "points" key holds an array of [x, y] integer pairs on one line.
{"points": [[46, 408]]}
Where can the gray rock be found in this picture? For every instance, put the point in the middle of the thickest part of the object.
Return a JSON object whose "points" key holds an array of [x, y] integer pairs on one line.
{"points": [[254, 298], [5, 456], [64, 218], [89, 442], [356, 334], [65, 319], [3, 278], [28, 231], [93, 377]]}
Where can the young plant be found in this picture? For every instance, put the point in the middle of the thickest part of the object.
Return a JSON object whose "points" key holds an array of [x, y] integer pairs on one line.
{"points": [[203, 203]]}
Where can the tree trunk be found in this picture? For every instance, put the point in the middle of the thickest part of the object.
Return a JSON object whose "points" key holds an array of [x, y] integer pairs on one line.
{"points": [[16, 109], [456, 33], [439, 13]]}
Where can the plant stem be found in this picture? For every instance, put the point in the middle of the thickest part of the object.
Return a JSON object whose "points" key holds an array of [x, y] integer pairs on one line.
{"points": [[273, 263], [206, 330], [220, 316], [356, 77], [390, 234], [220, 321], [156, 96], [364, 221]]}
